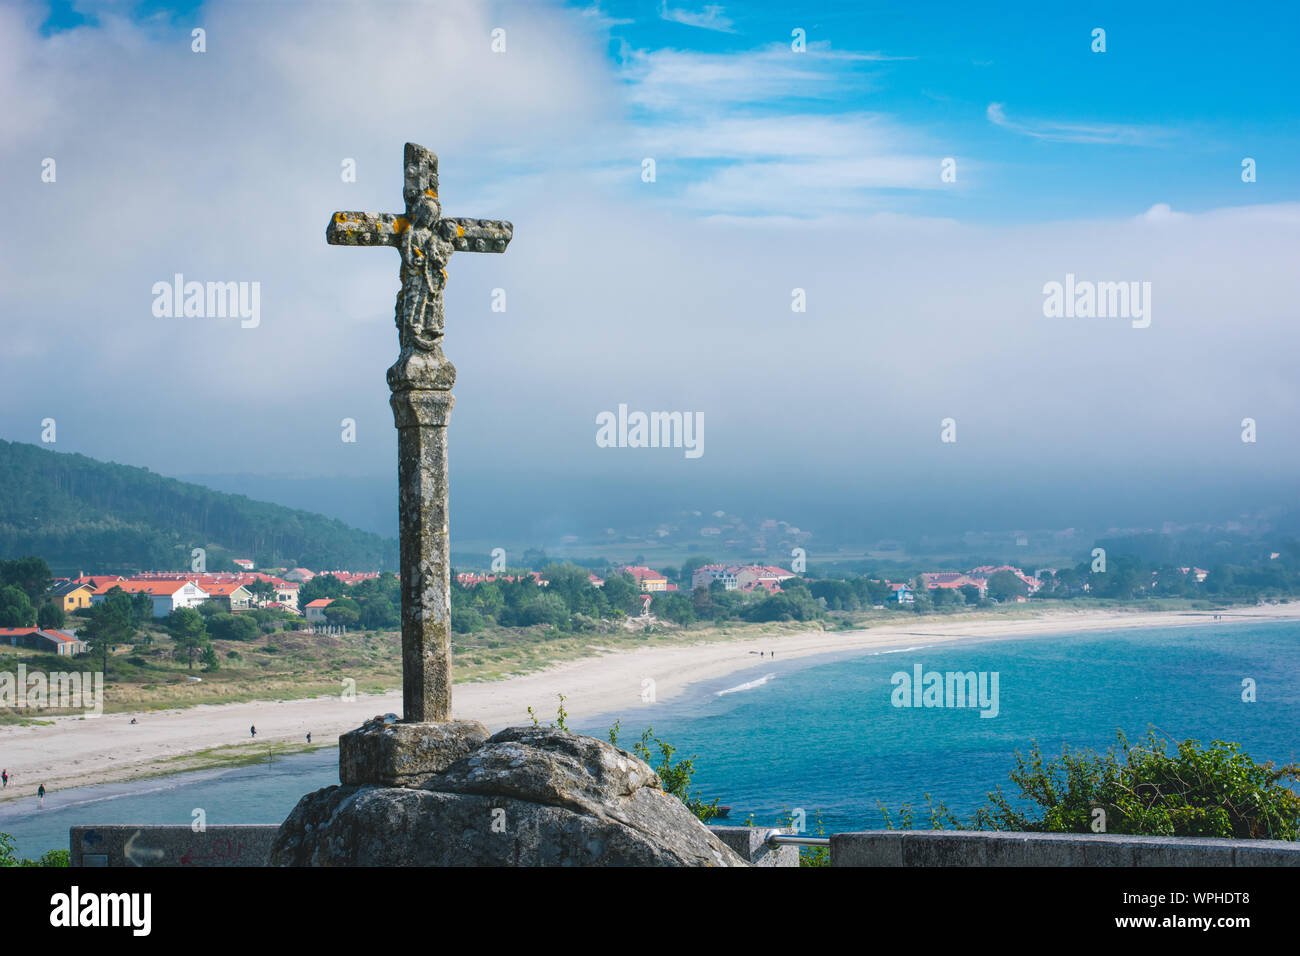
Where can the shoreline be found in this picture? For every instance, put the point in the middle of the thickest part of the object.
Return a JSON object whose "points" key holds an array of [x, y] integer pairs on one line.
{"points": [[72, 751]]}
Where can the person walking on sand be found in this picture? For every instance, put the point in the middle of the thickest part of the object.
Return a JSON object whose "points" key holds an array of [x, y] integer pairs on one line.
{"points": [[4, 779], [40, 796], [309, 736], [252, 730]]}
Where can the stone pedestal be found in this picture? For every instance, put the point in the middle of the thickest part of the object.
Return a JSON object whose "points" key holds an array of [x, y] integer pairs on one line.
{"points": [[384, 752], [529, 796]]}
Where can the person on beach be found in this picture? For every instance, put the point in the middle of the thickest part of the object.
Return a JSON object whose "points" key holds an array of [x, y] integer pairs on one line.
{"points": [[309, 736], [253, 730], [4, 779], [40, 796], [133, 720]]}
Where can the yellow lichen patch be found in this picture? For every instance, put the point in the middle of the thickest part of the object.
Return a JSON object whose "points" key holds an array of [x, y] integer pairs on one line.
{"points": [[460, 231], [400, 225], [430, 192], [444, 273], [339, 217], [419, 253]]}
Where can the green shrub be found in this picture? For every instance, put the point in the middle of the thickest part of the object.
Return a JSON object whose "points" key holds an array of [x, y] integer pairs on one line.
{"points": [[1196, 791], [9, 858]]}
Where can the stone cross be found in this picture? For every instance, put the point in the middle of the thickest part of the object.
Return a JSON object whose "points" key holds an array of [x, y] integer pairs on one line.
{"points": [[421, 382]]}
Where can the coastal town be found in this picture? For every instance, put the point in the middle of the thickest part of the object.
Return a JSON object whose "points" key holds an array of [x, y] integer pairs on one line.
{"points": [[233, 592], [278, 590]]}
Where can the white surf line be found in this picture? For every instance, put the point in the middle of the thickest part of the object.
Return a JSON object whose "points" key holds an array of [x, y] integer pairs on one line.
{"points": [[748, 685]]}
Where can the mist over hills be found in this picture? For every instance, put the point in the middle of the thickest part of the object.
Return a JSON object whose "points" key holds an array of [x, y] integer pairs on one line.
{"points": [[623, 515]]}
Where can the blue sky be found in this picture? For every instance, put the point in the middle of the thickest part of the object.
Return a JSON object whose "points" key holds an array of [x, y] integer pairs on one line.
{"points": [[1041, 126], [1182, 93]]}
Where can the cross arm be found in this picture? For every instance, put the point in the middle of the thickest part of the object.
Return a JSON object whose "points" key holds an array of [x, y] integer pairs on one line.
{"points": [[478, 235], [365, 229]]}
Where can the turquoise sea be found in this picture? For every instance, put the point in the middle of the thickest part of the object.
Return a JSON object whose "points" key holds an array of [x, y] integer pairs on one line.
{"points": [[822, 734]]}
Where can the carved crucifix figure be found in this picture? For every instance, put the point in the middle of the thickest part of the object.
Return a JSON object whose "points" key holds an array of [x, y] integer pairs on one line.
{"points": [[421, 382]]}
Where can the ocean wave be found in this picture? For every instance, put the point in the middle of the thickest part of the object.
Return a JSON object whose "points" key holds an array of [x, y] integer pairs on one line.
{"points": [[748, 685]]}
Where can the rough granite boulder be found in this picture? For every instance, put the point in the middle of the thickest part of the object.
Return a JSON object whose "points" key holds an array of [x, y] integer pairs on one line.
{"points": [[530, 796]]}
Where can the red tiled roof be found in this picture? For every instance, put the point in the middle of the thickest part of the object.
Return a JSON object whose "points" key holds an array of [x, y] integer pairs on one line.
{"points": [[642, 573], [220, 590], [152, 588]]}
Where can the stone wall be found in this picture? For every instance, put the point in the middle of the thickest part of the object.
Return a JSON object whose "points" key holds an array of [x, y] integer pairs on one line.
{"points": [[246, 845], [251, 846], [954, 848]]}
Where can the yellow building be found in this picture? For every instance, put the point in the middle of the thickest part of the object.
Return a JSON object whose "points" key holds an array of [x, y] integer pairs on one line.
{"points": [[648, 579], [72, 595]]}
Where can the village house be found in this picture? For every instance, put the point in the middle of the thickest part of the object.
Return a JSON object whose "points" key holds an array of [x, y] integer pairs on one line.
{"points": [[316, 610], [97, 581], [233, 597], [286, 594], [167, 596], [750, 576], [744, 577], [984, 572], [706, 574], [352, 577], [954, 581], [469, 579], [72, 596], [902, 593], [648, 579], [62, 642]]}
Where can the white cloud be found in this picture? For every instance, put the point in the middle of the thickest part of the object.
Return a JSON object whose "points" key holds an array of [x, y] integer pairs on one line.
{"points": [[225, 166], [711, 17], [1054, 132]]}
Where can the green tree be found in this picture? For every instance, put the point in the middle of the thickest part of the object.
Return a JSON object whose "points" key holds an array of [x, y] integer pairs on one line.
{"points": [[50, 616], [232, 627], [16, 608], [466, 621], [188, 631], [344, 612], [622, 592], [1005, 586], [111, 622], [31, 574], [261, 590], [321, 586], [945, 597]]}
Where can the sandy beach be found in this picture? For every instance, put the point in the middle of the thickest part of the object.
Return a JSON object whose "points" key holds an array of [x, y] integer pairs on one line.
{"points": [[73, 751]]}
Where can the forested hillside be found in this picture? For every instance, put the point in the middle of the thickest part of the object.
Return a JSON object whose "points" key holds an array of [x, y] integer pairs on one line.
{"points": [[86, 515]]}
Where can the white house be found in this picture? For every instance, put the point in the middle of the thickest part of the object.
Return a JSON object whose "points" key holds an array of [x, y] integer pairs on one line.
{"points": [[707, 574], [316, 610], [286, 593], [167, 596]]}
